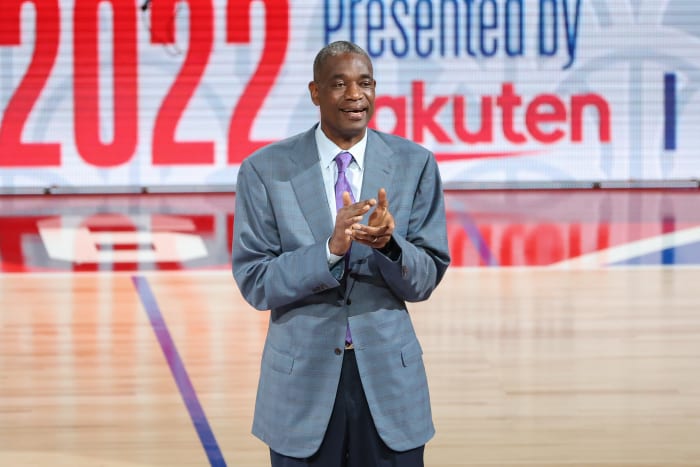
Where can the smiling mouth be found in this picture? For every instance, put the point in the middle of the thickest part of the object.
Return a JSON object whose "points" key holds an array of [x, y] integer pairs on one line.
{"points": [[355, 112]]}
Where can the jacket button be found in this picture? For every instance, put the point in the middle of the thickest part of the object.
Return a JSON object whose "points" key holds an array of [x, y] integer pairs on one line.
{"points": [[337, 351]]}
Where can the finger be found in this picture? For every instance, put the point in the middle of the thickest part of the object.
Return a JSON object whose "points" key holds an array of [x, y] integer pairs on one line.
{"points": [[381, 230], [363, 231], [365, 203], [370, 239], [355, 212], [381, 196], [347, 200], [360, 206], [375, 241]]}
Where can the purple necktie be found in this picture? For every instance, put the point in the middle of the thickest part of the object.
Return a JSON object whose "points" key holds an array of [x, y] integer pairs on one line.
{"points": [[341, 185]]}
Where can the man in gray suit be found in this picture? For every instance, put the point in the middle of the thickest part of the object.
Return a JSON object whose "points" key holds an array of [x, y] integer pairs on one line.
{"points": [[342, 380]]}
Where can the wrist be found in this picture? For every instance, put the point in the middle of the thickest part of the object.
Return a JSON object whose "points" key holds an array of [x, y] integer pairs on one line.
{"points": [[391, 250], [333, 248]]}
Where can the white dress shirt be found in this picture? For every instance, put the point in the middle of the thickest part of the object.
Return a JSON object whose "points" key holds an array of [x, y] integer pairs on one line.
{"points": [[327, 150]]}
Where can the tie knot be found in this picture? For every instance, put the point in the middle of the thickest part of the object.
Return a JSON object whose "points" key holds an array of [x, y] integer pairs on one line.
{"points": [[343, 160]]}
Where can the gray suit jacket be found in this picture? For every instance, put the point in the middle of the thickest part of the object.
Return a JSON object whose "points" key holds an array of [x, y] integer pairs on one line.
{"points": [[282, 223]]}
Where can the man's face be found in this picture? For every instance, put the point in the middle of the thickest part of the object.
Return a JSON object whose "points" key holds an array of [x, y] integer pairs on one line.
{"points": [[345, 94]]}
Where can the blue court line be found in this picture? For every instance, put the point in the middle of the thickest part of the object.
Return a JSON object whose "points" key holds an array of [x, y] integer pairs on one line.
{"points": [[472, 230], [478, 240], [670, 111], [177, 368]]}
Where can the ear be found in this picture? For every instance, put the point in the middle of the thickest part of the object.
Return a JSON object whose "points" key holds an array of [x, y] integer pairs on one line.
{"points": [[313, 91]]}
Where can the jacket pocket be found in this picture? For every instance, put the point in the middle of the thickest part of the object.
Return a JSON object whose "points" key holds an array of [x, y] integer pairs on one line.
{"points": [[278, 361], [411, 353]]}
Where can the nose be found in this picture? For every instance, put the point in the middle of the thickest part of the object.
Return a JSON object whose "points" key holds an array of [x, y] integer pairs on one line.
{"points": [[352, 91]]}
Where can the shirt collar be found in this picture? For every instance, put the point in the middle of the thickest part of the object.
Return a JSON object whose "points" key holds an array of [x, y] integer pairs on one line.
{"points": [[327, 149]]}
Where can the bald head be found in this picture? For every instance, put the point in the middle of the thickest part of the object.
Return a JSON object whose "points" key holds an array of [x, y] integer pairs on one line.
{"points": [[333, 50]]}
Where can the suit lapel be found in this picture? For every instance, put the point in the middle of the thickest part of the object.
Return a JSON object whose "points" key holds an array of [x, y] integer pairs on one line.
{"points": [[308, 187], [379, 165]]}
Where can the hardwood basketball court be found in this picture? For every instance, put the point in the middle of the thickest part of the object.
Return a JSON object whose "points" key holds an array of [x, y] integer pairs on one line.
{"points": [[567, 333]]}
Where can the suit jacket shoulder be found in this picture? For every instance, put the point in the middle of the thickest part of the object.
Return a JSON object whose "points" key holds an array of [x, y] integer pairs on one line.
{"points": [[398, 144], [285, 156]]}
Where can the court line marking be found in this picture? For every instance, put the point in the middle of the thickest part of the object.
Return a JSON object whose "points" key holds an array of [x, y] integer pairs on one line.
{"points": [[471, 228], [627, 251], [179, 372]]}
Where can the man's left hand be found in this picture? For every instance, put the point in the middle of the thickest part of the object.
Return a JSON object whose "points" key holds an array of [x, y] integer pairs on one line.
{"points": [[378, 231]]}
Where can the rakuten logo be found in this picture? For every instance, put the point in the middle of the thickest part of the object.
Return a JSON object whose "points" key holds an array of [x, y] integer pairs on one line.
{"points": [[548, 118]]}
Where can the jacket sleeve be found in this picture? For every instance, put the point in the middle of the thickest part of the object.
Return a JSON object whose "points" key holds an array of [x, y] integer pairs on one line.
{"points": [[423, 253], [267, 276]]}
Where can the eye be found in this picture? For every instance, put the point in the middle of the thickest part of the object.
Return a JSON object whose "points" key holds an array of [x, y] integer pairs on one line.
{"points": [[366, 84], [339, 84]]}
